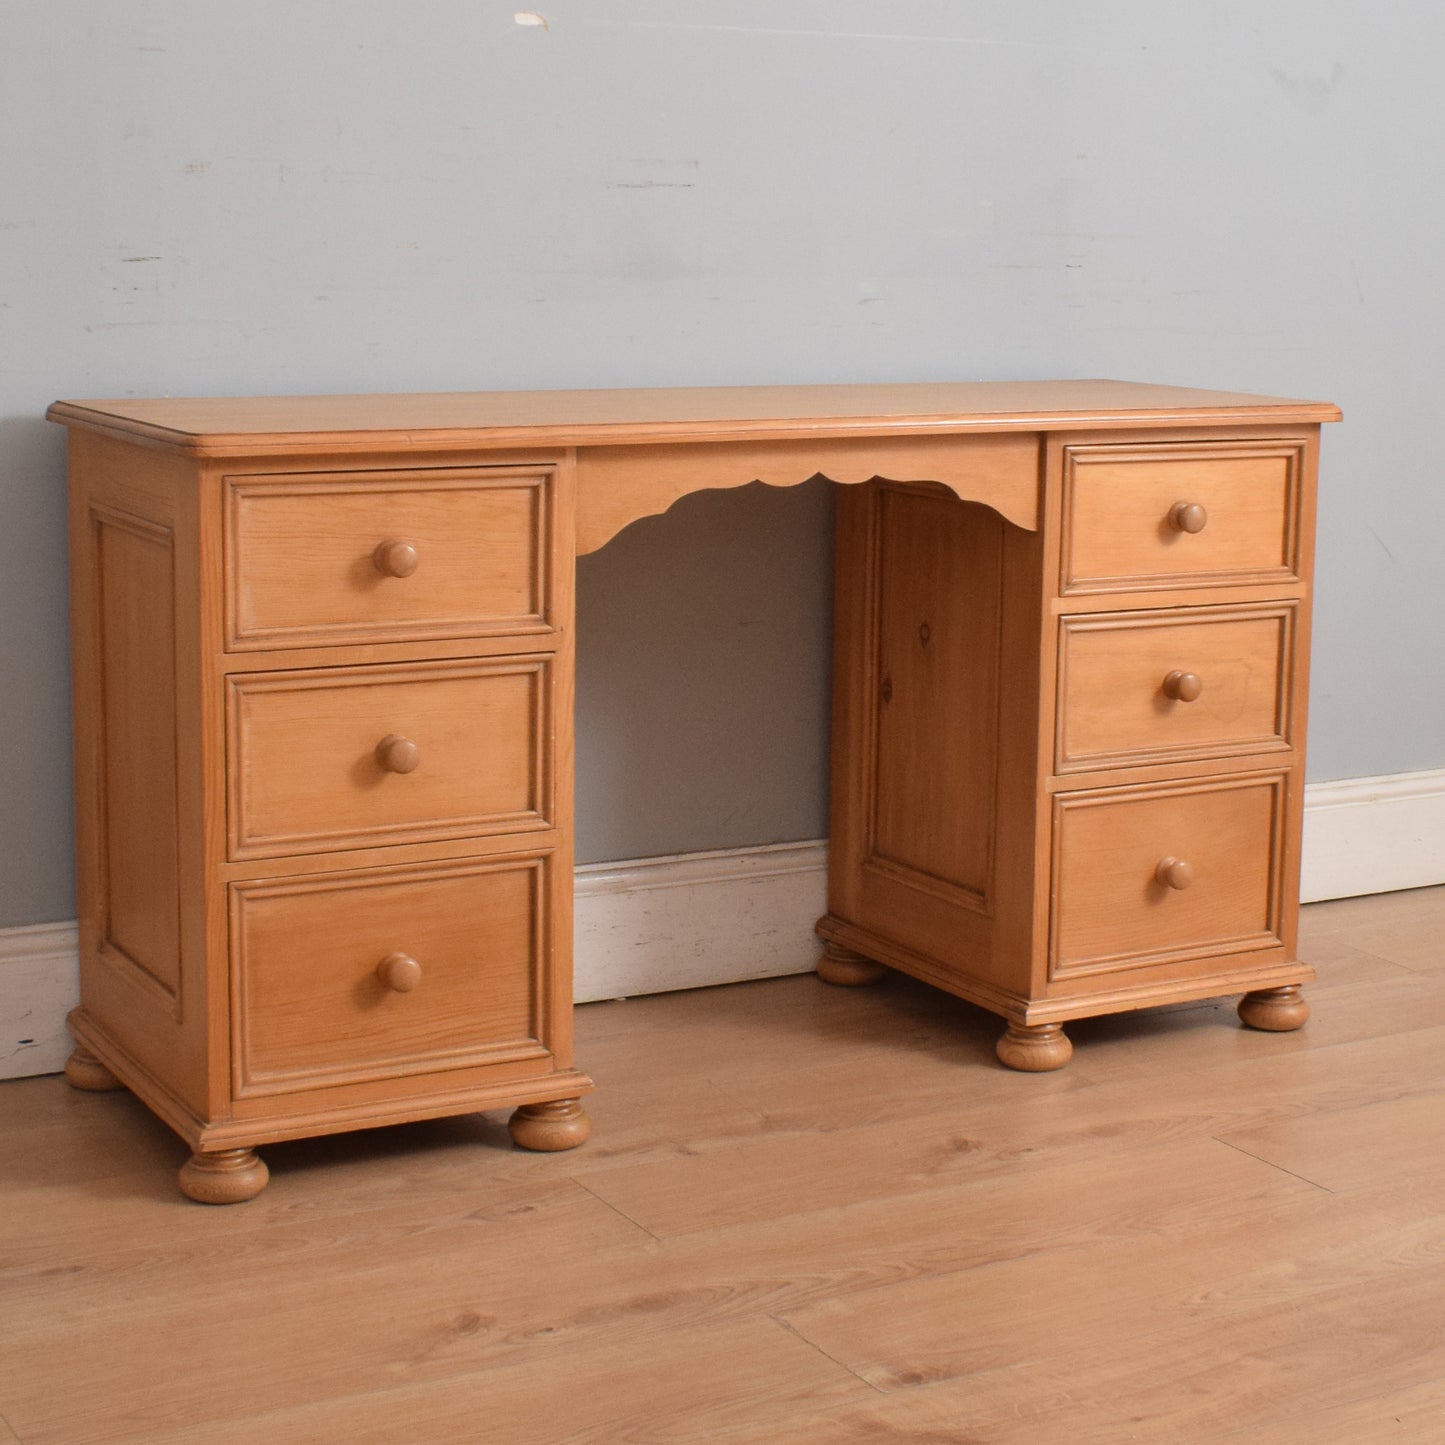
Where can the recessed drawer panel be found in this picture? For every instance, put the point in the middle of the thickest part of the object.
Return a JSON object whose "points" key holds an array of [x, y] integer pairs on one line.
{"points": [[316, 559], [1180, 515], [356, 757], [343, 978], [1147, 687], [1165, 873]]}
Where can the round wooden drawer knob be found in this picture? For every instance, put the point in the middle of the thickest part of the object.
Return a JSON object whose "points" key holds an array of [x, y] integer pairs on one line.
{"points": [[400, 972], [397, 754], [1183, 686], [1174, 873], [395, 559], [1188, 517]]}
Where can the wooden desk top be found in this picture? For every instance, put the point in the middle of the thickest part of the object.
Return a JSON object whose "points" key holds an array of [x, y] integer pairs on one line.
{"points": [[228, 426]]}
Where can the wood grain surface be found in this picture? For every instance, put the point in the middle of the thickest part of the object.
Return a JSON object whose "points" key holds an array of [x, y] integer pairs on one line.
{"points": [[809, 1214], [215, 426]]}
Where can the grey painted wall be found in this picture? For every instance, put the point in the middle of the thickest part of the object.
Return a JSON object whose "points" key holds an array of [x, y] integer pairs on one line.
{"points": [[341, 195]]}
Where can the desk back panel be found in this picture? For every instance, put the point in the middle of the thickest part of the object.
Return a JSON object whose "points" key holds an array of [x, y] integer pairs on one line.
{"points": [[937, 645], [937, 663]]}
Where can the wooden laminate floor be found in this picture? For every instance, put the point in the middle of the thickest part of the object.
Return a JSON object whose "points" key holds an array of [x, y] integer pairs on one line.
{"points": [[807, 1215]]}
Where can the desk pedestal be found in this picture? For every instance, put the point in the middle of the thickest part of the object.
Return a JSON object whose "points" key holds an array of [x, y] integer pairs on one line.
{"points": [[1067, 762]]}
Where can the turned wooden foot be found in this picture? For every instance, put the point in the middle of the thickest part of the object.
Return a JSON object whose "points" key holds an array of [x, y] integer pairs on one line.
{"points": [[84, 1071], [226, 1176], [1035, 1048], [550, 1127], [1277, 1009], [845, 969]]}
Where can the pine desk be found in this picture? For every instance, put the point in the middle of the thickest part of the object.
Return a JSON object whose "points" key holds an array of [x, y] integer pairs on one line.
{"points": [[323, 652]]}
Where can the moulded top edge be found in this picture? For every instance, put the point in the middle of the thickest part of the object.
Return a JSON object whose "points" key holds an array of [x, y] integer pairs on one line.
{"points": [[219, 426]]}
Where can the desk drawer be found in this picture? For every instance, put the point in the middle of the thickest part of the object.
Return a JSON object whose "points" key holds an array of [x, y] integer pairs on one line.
{"points": [[1166, 873], [1181, 515], [345, 978], [356, 757], [1149, 687], [330, 558]]}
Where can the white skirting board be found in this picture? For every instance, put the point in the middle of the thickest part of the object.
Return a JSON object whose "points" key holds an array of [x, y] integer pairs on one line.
{"points": [[1373, 835], [657, 924], [653, 924], [39, 985]]}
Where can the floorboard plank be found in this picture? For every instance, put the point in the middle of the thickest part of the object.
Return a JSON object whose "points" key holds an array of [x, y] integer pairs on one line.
{"points": [[1366, 1147], [1338, 1351], [689, 1388]]}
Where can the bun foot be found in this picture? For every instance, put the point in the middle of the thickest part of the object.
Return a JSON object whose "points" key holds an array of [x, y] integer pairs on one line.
{"points": [[845, 969], [1035, 1048], [1276, 1009], [548, 1128], [227, 1176], [84, 1071]]}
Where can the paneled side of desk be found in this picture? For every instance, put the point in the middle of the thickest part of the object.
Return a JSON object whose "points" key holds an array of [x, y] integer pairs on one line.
{"points": [[1103, 775]]}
